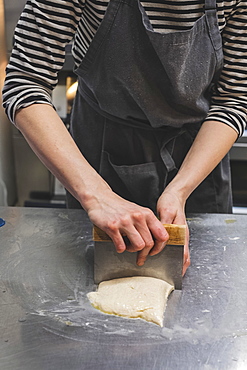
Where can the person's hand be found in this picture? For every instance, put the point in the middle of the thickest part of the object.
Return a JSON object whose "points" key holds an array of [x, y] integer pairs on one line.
{"points": [[130, 226], [171, 211]]}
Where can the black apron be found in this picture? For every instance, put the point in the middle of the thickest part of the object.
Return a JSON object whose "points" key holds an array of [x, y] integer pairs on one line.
{"points": [[142, 97]]}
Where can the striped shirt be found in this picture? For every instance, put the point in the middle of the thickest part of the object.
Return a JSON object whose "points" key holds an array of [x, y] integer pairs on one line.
{"points": [[47, 26]]}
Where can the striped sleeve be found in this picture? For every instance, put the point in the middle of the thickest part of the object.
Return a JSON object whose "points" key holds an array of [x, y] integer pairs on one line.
{"points": [[44, 29], [229, 101], [46, 26]]}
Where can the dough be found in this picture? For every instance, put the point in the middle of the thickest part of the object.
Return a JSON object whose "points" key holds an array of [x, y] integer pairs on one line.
{"points": [[133, 297]]}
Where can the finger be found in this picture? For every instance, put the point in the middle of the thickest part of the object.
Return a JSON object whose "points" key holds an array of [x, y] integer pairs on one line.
{"points": [[142, 256], [158, 247], [186, 260], [118, 241], [134, 241], [129, 246], [159, 239], [149, 250], [180, 220], [167, 217], [139, 235], [157, 230], [150, 244], [146, 235], [186, 252]]}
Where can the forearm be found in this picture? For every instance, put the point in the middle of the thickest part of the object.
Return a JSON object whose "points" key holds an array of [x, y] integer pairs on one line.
{"points": [[212, 143], [50, 140]]}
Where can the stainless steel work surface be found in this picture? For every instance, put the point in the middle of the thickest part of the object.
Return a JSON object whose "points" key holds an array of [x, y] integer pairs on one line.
{"points": [[46, 321]]}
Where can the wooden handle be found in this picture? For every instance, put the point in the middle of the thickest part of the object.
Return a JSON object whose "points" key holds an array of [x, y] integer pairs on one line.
{"points": [[176, 234]]}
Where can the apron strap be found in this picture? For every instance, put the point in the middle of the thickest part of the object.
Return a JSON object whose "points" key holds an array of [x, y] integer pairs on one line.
{"points": [[213, 26], [166, 155], [210, 4]]}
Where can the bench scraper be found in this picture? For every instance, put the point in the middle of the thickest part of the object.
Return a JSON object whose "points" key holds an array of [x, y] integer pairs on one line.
{"points": [[167, 265]]}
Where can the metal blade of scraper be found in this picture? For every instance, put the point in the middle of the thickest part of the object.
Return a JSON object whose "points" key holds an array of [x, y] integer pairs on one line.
{"points": [[167, 265]]}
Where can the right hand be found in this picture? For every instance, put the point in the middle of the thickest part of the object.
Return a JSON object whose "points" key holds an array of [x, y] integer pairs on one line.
{"points": [[171, 211], [122, 219]]}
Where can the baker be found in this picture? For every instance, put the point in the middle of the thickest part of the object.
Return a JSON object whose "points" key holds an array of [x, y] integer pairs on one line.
{"points": [[161, 99]]}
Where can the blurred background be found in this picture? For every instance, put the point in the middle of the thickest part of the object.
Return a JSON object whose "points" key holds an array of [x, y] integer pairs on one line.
{"points": [[24, 181]]}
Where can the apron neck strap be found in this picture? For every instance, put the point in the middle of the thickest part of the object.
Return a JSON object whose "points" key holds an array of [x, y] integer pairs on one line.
{"points": [[210, 4]]}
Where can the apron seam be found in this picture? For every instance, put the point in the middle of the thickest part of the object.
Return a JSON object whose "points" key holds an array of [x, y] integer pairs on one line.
{"points": [[95, 46]]}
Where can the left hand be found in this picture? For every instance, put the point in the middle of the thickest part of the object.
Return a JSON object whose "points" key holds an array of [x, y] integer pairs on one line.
{"points": [[204, 155], [170, 209]]}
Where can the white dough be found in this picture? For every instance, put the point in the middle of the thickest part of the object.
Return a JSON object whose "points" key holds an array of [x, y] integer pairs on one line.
{"points": [[133, 297]]}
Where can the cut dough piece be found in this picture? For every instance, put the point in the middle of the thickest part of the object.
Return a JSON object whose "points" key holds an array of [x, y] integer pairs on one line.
{"points": [[133, 297]]}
